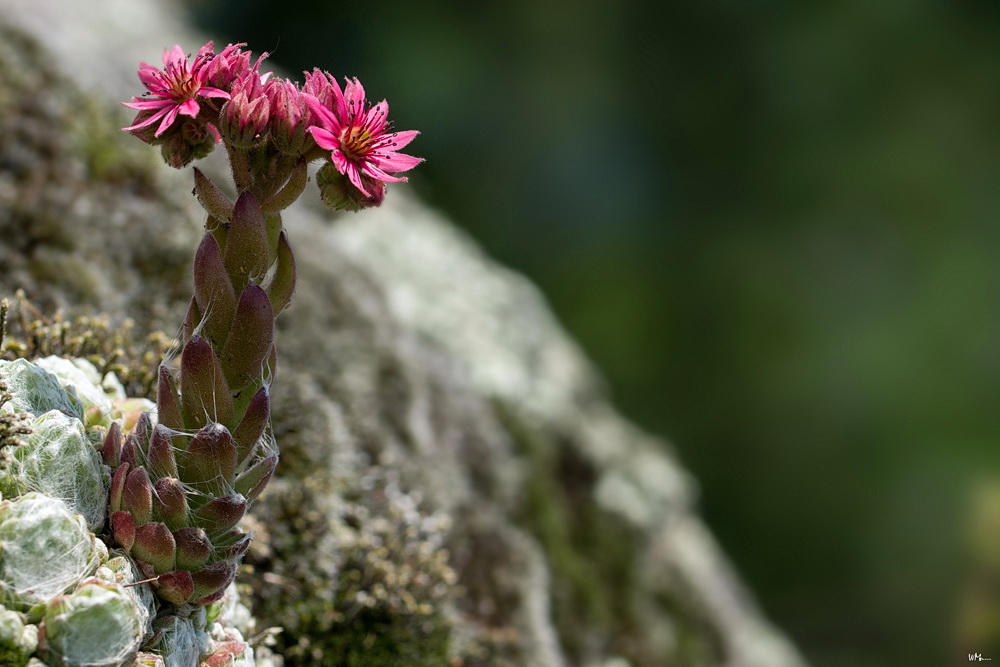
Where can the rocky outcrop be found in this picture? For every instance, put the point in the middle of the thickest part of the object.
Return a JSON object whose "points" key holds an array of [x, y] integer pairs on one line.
{"points": [[455, 486]]}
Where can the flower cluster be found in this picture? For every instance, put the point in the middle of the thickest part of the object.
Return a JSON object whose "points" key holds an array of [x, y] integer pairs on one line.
{"points": [[191, 105], [183, 480]]}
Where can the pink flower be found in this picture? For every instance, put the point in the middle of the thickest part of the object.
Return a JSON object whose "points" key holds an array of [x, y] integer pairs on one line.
{"points": [[357, 134], [172, 91]]}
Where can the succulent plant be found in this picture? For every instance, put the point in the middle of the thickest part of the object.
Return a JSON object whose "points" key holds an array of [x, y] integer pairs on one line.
{"points": [[60, 460], [45, 549], [18, 638], [96, 624], [64, 598], [180, 486], [36, 391]]}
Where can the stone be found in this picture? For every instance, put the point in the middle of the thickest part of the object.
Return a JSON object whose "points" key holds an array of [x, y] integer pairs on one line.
{"points": [[455, 484]]}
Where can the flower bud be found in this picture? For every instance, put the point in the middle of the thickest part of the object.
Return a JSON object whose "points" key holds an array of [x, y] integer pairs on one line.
{"points": [[321, 85], [227, 66], [244, 117], [289, 117], [194, 140], [339, 193]]}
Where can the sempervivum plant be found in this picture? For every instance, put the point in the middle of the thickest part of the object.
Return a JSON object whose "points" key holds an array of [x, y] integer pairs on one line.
{"points": [[183, 480]]}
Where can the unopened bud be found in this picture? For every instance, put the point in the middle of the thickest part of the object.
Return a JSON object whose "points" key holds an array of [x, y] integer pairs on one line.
{"points": [[321, 85], [242, 120], [193, 141], [244, 117], [339, 193], [289, 117], [227, 66]]}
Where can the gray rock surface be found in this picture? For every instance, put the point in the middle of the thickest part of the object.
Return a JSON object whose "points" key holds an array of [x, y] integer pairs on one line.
{"points": [[455, 487]]}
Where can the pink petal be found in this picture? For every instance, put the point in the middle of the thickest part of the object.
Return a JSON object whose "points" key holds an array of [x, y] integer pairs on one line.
{"points": [[208, 48], [355, 94], [377, 115], [400, 139], [208, 91], [374, 172], [168, 120], [149, 121], [325, 116], [352, 173], [150, 76], [139, 103], [339, 161], [325, 139], [189, 108], [174, 55], [397, 162], [339, 105]]}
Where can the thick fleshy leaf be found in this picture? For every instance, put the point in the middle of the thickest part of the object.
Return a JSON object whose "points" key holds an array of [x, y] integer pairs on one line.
{"points": [[273, 225], [271, 367], [137, 496], [284, 197], [232, 545], [155, 544], [252, 426], [204, 393], [191, 320], [211, 580], [176, 587], [225, 654], [170, 503], [246, 254], [134, 448], [250, 339], [168, 405], [111, 450], [146, 569], [209, 464], [130, 453], [123, 529], [143, 427], [282, 283], [118, 478], [253, 481], [193, 548], [211, 197], [213, 291], [221, 514], [160, 456]]}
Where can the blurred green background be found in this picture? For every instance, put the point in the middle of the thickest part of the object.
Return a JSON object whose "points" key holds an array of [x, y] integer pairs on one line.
{"points": [[776, 228]]}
